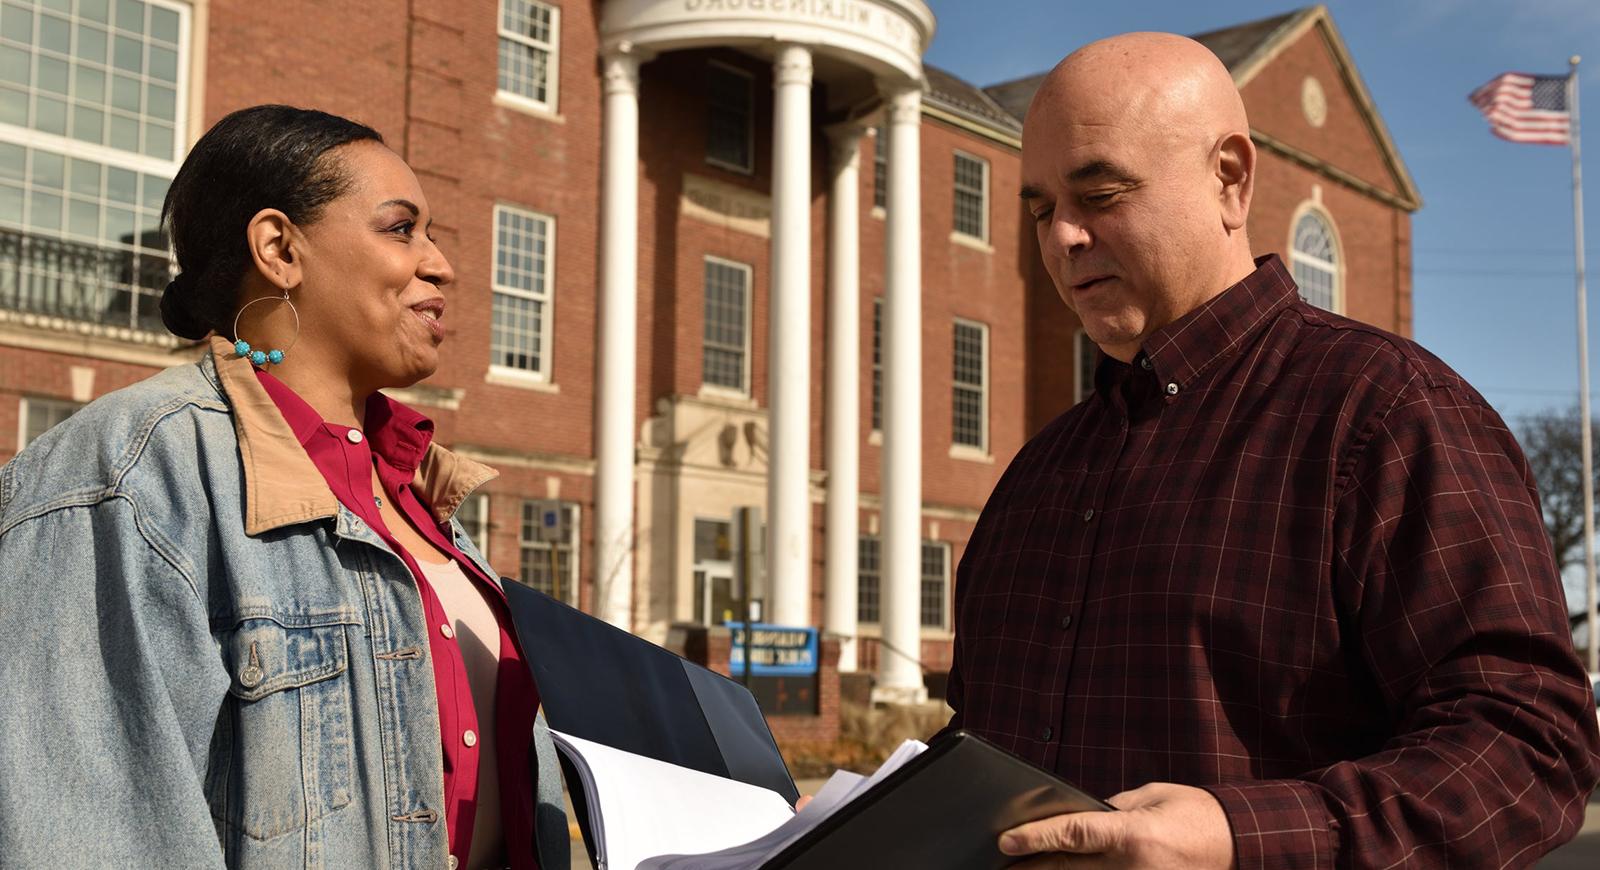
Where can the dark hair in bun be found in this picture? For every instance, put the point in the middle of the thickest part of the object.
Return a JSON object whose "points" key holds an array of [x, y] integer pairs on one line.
{"points": [[255, 158]]}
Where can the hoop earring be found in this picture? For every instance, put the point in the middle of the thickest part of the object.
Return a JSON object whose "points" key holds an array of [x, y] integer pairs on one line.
{"points": [[274, 356]]}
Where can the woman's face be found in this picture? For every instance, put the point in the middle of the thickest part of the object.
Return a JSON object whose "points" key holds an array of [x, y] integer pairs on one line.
{"points": [[370, 299]]}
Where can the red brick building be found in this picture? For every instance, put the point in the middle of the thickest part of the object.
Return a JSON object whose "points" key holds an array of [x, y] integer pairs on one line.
{"points": [[730, 251]]}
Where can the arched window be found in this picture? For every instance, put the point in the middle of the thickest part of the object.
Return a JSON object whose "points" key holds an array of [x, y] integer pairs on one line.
{"points": [[1314, 260]]}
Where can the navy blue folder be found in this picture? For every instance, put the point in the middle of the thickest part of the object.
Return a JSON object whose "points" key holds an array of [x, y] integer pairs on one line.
{"points": [[603, 684]]}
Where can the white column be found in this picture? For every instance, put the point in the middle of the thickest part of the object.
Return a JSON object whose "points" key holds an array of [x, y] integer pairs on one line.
{"points": [[789, 374], [899, 660], [614, 430], [844, 390]]}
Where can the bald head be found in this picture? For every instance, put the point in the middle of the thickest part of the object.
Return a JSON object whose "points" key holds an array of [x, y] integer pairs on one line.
{"points": [[1164, 84], [1138, 168]]}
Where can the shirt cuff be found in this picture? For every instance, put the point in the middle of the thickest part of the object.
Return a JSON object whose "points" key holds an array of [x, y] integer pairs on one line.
{"points": [[1278, 823]]}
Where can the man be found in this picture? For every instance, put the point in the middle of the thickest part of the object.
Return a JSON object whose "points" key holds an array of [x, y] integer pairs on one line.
{"points": [[1281, 586]]}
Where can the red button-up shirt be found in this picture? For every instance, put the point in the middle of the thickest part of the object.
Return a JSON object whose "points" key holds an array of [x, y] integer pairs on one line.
{"points": [[396, 438], [1297, 561]]}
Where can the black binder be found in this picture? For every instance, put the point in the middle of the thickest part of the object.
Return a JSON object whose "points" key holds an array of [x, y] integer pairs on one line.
{"points": [[603, 684], [945, 810]]}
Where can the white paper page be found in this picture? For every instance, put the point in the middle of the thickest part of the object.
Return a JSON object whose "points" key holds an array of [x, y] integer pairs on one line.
{"points": [[650, 807], [840, 789]]}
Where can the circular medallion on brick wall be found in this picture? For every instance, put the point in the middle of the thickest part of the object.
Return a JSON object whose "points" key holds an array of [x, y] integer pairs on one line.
{"points": [[1313, 101]]}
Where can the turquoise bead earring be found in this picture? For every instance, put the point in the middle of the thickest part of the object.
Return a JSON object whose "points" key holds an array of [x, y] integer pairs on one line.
{"points": [[262, 357]]}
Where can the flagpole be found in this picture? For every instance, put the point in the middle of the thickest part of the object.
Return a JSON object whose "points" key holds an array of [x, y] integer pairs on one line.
{"points": [[1592, 630]]}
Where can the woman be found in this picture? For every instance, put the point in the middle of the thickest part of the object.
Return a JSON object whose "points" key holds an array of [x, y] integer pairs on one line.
{"points": [[257, 636]]}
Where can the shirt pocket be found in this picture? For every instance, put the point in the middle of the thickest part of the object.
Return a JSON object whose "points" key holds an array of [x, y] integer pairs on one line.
{"points": [[282, 755]]}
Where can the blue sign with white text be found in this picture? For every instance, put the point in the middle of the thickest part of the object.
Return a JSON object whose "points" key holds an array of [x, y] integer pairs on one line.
{"points": [[778, 651]]}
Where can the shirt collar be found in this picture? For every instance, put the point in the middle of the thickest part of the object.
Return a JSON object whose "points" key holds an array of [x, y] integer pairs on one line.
{"points": [[1183, 350], [283, 486], [398, 434]]}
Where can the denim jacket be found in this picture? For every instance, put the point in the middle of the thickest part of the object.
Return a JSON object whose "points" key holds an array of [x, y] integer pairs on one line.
{"points": [[209, 661]]}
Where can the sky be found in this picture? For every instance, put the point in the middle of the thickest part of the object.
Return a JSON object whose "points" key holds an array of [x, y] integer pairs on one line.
{"points": [[1493, 264], [1493, 246]]}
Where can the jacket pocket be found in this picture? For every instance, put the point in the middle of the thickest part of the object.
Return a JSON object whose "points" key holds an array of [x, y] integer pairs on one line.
{"points": [[282, 757]]}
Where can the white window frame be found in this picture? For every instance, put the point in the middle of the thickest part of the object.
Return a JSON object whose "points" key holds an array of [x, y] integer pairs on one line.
{"points": [[1313, 207], [750, 125], [983, 199], [700, 570], [512, 374], [108, 156], [874, 626], [1080, 340], [481, 499], [575, 546], [875, 383], [944, 586], [957, 448], [878, 541], [746, 352], [553, 67], [880, 170], [25, 407]]}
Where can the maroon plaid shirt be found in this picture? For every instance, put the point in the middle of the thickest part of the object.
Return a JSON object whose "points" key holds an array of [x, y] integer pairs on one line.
{"points": [[1298, 561]]}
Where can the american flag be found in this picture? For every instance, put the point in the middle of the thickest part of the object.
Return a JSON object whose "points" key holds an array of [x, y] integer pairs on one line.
{"points": [[1526, 108]]}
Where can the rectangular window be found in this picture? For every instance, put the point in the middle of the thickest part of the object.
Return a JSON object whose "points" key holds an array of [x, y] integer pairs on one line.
{"points": [[530, 37], [725, 356], [524, 265], [934, 586], [1088, 357], [869, 559], [714, 601], [474, 517], [970, 385], [935, 582], [880, 168], [92, 101], [39, 415], [877, 365], [972, 197], [549, 548], [730, 132]]}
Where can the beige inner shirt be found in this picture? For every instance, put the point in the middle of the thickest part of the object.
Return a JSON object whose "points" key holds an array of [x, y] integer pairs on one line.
{"points": [[478, 634]]}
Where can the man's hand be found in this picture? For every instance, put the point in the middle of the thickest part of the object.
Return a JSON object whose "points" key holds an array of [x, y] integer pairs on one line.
{"points": [[1160, 826]]}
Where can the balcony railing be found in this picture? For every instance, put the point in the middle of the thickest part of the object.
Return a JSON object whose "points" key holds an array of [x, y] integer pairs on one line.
{"points": [[117, 287]]}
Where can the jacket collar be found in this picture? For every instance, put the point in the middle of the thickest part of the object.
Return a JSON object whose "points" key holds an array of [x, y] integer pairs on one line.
{"points": [[283, 487]]}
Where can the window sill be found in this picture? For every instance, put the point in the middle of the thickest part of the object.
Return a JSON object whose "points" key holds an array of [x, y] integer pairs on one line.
{"points": [[874, 631], [502, 376], [747, 171], [725, 396], [527, 107], [972, 242], [968, 453]]}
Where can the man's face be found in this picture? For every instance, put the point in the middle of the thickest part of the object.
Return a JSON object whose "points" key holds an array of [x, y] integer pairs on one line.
{"points": [[1126, 211]]}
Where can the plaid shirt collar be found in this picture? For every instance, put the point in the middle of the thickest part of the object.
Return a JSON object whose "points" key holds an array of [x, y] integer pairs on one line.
{"points": [[1182, 351]]}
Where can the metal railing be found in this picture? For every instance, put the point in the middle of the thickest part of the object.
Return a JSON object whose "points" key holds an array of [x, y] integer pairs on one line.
{"points": [[111, 286]]}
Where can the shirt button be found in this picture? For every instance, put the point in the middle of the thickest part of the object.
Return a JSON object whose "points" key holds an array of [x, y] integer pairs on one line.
{"points": [[446, 630], [453, 863], [1144, 363], [470, 738], [1172, 389], [1088, 515], [1048, 733], [1066, 622], [354, 436]]}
